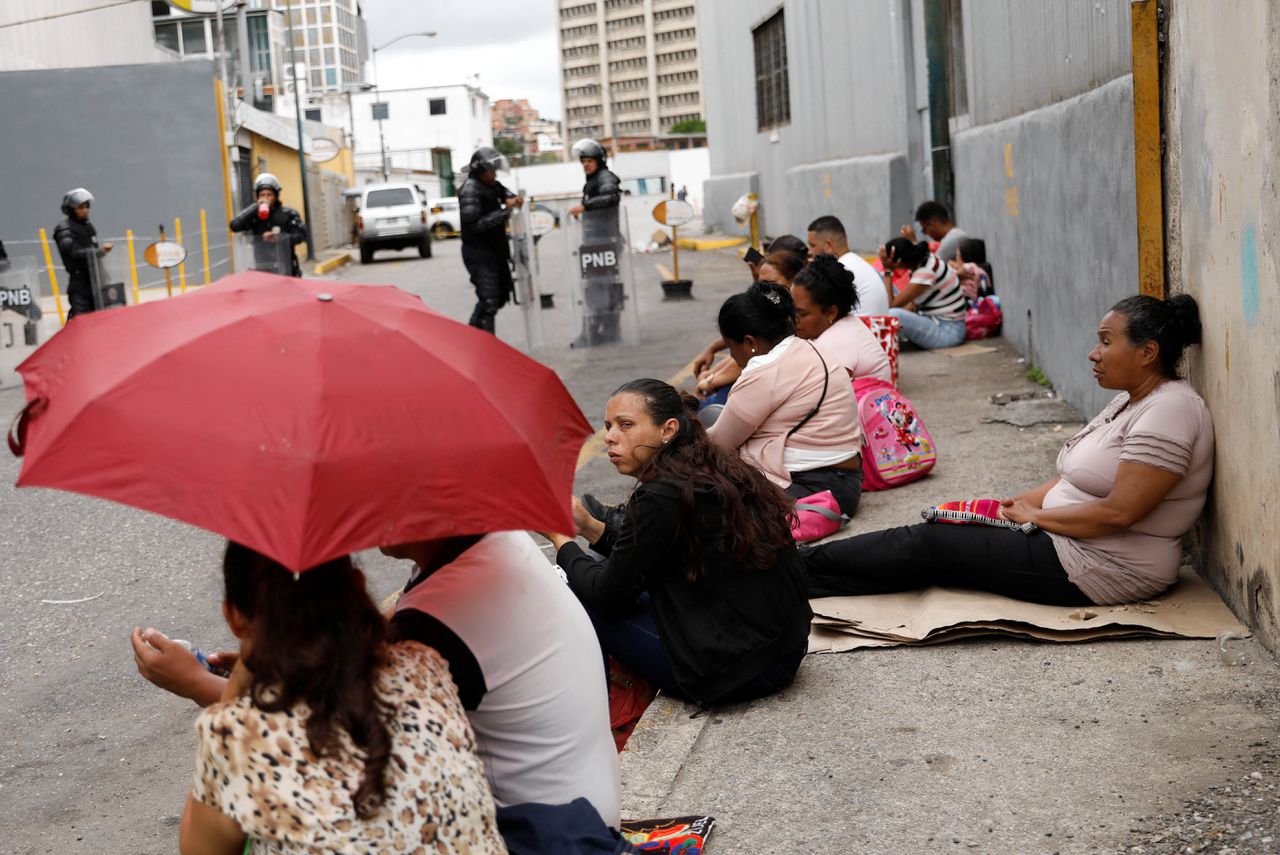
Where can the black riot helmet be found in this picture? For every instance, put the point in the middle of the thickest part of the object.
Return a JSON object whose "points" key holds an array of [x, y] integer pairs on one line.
{"points": [[486, 159], [589, 148]]}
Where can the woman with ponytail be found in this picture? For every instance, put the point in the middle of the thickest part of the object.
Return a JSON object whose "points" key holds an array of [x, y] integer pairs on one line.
{"points": [[792, 413], [327, 739], [700, 590], [931, 308], [1108, 528]]}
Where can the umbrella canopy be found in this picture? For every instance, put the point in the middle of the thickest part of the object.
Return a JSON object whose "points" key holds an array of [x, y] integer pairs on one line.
{"points": [[303, 419]]}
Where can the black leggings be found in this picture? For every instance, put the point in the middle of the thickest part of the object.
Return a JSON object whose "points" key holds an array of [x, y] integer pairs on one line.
{"points": [[999, 560]]}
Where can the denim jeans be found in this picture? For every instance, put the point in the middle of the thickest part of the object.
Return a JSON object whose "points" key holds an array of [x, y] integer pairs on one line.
{"points": [[928, 332]]}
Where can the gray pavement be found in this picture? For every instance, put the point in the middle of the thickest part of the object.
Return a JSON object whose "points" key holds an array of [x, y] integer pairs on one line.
{"points": [[984, 746]]}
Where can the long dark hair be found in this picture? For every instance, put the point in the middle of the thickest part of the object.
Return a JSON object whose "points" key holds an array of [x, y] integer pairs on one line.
{"points": [[1172, 324], [317, 639], [755, 514], [829, 283], [764, 310]]}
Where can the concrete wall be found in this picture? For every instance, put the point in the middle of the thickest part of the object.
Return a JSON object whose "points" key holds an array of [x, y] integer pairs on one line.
{"points": [[84, 33], [142, 138], [1222, 126], [849, 100], [1052, 193], [1024, 54]]}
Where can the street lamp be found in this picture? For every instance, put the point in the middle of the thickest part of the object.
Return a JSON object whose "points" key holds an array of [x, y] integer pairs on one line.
{"points": [[382, 140]]}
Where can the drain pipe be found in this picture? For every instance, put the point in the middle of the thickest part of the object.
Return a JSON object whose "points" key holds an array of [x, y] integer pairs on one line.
{"points": [[935, 36]]}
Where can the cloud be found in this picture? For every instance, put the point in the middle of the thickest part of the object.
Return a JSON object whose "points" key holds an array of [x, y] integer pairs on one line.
{"points": [[511, 44]]}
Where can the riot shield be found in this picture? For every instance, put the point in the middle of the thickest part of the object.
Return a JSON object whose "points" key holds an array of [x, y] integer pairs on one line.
{"points": [[525, 281], [604, 304], [108, 273], [270, 253], [20, 316]]}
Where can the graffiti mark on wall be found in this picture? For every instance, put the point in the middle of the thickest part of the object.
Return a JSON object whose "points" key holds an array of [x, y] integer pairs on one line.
{"points": [[1249, 275]]}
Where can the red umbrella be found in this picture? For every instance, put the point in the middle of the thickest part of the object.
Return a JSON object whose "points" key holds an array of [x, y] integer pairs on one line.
{"points": [[303, 419]]}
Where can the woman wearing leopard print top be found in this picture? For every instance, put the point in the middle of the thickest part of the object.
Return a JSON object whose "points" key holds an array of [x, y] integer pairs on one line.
{"points": [[327, 739]]}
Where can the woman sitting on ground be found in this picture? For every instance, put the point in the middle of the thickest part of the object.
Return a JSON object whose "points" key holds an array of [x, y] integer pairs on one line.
{"points": [[1109, 527], [318, 744], [825, 300], [700, 590], [779, 267], [931, 308], [792, 414]]}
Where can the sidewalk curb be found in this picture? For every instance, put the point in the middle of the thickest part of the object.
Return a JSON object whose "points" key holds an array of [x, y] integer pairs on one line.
{"points": [[704, 244], [656, 754], [331, 264]]}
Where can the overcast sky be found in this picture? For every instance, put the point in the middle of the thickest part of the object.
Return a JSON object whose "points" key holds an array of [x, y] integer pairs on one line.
{"points": [[511, 44]]}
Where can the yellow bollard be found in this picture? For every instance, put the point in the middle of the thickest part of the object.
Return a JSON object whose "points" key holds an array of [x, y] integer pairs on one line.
{"points": [[133, 264], [182, 268], [204, 244], [53, 278]]}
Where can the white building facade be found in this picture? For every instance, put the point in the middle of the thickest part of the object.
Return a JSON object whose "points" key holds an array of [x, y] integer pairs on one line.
{"points": [[76, 34]]}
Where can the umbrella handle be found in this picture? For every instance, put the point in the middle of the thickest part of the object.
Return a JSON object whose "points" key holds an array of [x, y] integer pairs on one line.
{"points": [[18, 430]]}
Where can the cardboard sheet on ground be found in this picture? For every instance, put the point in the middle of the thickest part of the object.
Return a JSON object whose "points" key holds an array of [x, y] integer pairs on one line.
{"points": [[1190, 609]]}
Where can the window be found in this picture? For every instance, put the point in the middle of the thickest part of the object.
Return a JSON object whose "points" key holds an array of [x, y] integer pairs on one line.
{"points": [[773, 97], [331, 77], [193, 41], [388, 198], [315, 56], [312, 114], [167, 36], [957, 83], [436, 106]]}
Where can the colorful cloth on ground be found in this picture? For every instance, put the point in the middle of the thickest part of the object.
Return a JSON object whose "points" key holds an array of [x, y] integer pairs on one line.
{"points": [[973, 512], [682, 835]]}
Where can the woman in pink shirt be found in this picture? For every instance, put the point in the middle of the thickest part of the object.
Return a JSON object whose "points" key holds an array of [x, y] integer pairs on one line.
{"points": [[792, 413], [1108, 528], [826, 299]]}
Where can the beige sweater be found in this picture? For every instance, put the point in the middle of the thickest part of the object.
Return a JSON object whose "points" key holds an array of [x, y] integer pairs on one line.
{"points": [[773, 394]]}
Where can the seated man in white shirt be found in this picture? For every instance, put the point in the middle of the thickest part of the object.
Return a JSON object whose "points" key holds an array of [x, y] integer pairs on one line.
{"points": [[520, 648], [827, 236]]}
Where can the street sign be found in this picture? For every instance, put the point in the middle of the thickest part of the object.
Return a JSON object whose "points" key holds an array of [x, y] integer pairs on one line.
{"points": [[381, 111], [673, 212], [165, 254], [541, 222], [202, 7], [323, 150]]}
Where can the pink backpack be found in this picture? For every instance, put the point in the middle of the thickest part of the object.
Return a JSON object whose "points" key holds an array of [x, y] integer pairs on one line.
{"points": [[896, 447]]}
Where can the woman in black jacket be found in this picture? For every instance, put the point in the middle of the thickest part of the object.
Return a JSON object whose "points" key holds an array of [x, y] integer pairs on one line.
{"points": [[701, 591]]}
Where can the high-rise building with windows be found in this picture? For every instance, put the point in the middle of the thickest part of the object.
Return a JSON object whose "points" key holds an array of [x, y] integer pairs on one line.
{"points": [[330, 38], [629, 69]]}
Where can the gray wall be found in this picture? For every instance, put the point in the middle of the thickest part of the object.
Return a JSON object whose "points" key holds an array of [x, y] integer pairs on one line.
{"points": [[849, 100], [1023, 54], [142, 138], [1060, 229]]}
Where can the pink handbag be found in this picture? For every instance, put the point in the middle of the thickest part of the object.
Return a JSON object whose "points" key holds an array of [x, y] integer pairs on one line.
{"points": [[816, 517]]}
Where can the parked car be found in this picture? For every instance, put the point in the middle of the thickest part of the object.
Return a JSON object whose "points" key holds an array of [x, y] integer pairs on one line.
{"points": [[444, 218], [392, 216]]}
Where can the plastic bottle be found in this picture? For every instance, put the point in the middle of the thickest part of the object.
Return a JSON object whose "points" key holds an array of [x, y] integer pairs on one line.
{"points": [[1231, 648], [201, 657]]}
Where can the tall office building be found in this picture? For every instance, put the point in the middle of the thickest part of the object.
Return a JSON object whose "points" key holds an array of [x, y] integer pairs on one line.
{"points": [[629, 69], [330, 37]]}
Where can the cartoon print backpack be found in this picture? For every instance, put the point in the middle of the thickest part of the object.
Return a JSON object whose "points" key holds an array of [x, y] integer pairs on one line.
{"points": [[896, 447]]}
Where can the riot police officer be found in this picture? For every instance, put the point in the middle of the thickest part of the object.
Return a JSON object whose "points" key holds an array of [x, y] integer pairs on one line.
{"points": [[601, 195], [279, 223], [484, 206], [77, 242]]}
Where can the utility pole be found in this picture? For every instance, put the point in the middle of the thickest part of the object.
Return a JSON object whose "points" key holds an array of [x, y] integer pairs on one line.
{"points": [[297, 115]]}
